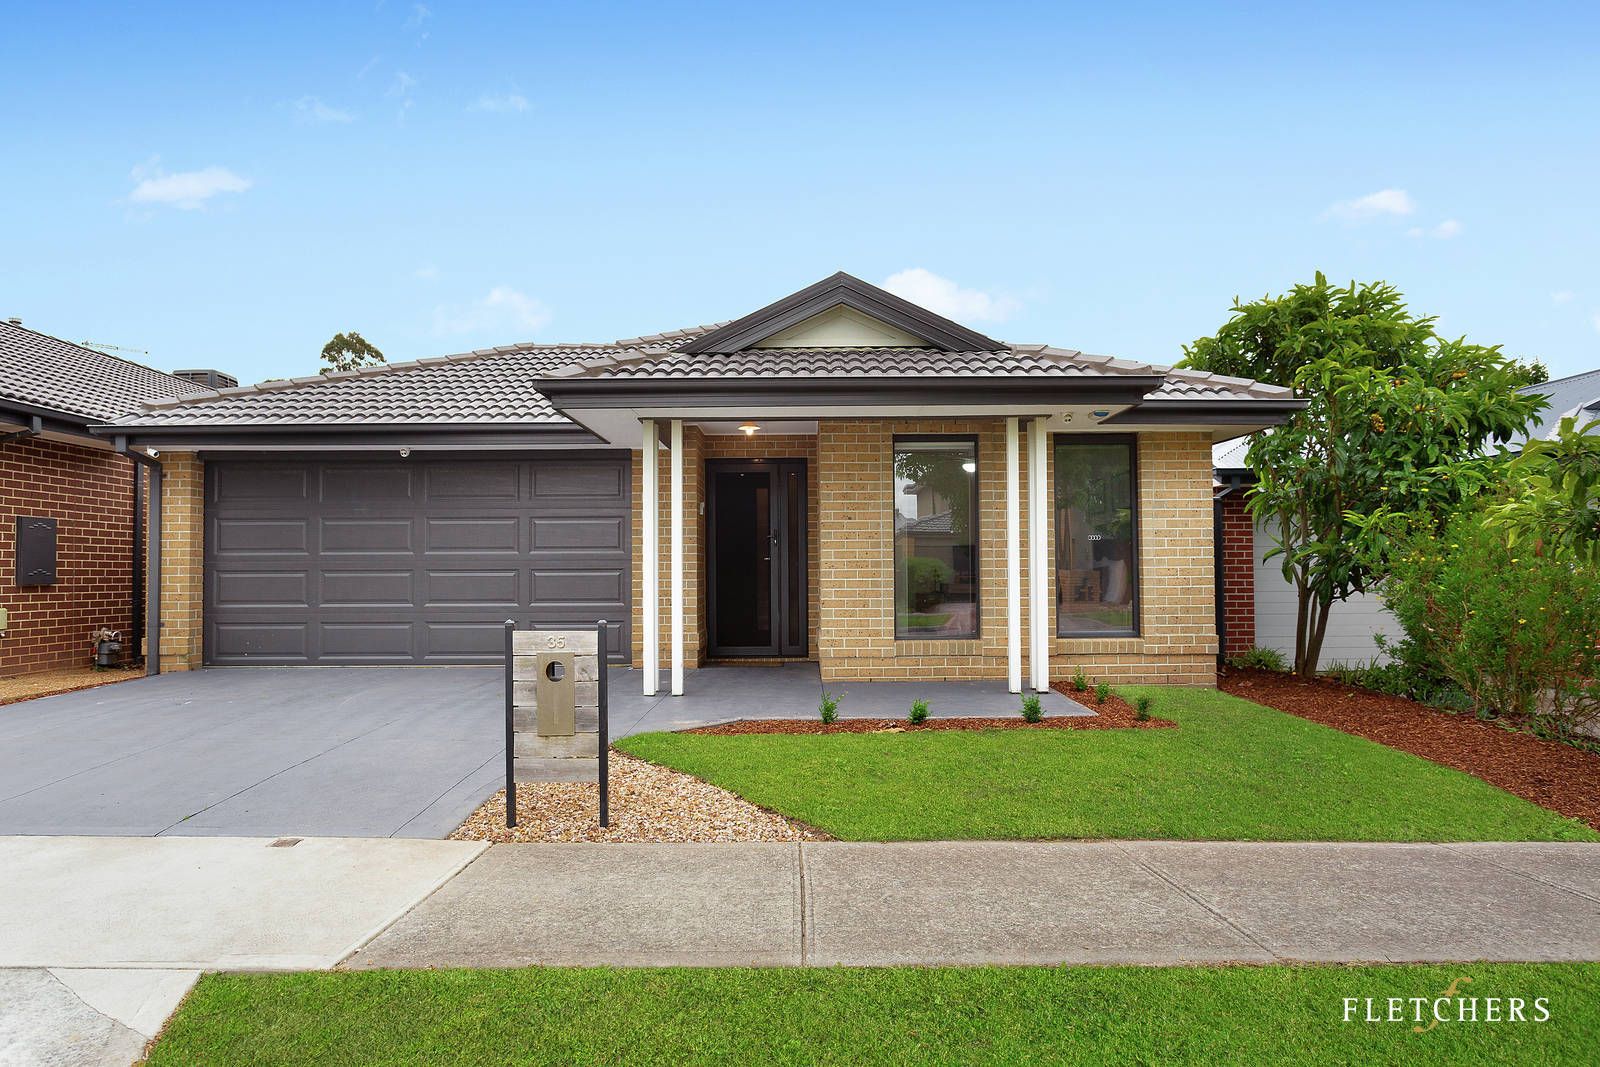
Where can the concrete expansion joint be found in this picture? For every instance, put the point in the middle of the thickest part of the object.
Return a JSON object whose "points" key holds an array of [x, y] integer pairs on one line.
{"points": [[1199, 902], [1478, 856]]}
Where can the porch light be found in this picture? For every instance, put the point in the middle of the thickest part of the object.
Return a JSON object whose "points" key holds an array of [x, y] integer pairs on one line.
{"points": [[970, 466], [749, 429]]}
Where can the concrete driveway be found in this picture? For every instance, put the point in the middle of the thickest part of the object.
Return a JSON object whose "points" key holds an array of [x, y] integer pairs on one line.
{"points": [[302, 751]]}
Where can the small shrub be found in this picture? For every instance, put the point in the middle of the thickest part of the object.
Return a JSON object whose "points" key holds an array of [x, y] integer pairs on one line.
{"points": [[1141, 709], [1080, 681], [829, 708], [919, 712], [1032, 709], [1101, 691], [1258, 658]]}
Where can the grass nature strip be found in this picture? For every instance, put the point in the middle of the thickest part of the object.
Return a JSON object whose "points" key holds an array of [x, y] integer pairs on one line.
{"points": [[1014, 1015]]}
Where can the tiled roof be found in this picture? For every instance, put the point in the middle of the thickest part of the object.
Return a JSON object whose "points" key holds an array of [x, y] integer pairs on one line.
{"points": [[1015, 361], [1201, 385], [46, 372], [1577, 397], [485, 387]]}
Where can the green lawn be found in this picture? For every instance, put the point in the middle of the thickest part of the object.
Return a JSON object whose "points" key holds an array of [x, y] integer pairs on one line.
{"points": [[1233, 770], [891, 1016]]}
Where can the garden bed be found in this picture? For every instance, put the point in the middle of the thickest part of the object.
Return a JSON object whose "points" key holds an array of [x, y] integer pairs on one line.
{"points": [[1114, 714], [1560, 777], [62, 680]]}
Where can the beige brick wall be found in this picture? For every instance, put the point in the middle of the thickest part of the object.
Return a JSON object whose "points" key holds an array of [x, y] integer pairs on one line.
{"points": [[856, 591], [182, 560]]}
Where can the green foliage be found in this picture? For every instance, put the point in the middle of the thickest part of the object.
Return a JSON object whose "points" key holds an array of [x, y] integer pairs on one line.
{"points": [[1101, 691], [829, 708], [1513, 624], [1080, 681], [926, 576], [919, 712], [1410, 672], [1396, 419], [1032, 708], [1554, 504], [943, 473], [349, 351], [1258, 658], [1141, 708]]}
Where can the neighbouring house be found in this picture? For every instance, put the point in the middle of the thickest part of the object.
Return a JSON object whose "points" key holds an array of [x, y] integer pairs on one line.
{"points": [[70, 557], [841, 476], [1256, 604]]}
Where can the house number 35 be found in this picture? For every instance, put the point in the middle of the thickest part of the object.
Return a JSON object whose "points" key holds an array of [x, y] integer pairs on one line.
{"points": [[555, 642]]}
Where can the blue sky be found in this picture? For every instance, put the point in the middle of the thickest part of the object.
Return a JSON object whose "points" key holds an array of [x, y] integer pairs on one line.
{"points": [[228, 185]]}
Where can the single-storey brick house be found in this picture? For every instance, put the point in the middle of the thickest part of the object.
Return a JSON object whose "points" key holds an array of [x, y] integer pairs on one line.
{"points": [[68, 498], [840, 476]]}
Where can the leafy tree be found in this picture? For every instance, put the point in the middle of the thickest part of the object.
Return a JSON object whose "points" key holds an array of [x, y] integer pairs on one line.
{"points": [[1555, 502], [348, 351], [1395, 425]]}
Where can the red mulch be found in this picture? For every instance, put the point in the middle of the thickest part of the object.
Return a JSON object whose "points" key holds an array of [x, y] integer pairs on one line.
{"points": [[1553, 775], [1114, 714]]}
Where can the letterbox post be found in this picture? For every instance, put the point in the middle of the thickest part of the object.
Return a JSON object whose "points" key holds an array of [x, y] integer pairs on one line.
{"points": [[604, 724], [511, 733]]}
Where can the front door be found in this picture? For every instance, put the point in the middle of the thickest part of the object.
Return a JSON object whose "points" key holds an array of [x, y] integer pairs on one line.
{"points": [[756, 557]]}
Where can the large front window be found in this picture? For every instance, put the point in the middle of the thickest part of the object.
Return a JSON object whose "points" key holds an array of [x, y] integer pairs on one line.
{"points": [[935, 516], [1097, 559]]}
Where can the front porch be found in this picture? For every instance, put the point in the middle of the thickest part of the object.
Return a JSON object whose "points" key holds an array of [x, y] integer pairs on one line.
{"points": [[721, 693]]}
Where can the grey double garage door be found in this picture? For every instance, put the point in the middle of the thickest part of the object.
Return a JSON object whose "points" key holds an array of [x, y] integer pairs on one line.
{"points": [[418, 560]]}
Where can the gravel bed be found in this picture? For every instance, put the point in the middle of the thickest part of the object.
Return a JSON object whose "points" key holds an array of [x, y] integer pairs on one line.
{"points": [[648, 803]]}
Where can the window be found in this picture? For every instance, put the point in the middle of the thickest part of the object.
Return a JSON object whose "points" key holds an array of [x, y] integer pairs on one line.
{"points": [[935, 518], [1097, 558]]}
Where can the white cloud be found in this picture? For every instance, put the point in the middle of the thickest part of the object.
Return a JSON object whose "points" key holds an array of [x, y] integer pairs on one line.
{"points": [[1374, 205], [312, 109], [419, 14], [1443, 231], [188, 189], [1562, 296], [510, 102], [502, 310], [400, 89], [943, 296]]}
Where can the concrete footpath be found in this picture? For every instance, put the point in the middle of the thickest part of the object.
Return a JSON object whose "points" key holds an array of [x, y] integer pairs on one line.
{"points": [[101, 937]]}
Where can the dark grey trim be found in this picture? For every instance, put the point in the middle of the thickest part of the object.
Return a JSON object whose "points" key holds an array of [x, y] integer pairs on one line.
{"points": [[576, 394], [32, 427], [975, 533], [1131, 443], [334, 438], [1214, 412], [845, 289], [136, 578], [46, 420], [152, 584], [782, 592]]}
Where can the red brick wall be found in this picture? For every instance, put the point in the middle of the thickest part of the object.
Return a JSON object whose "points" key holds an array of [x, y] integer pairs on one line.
{"points": [[89, 492], [1238, 575]]}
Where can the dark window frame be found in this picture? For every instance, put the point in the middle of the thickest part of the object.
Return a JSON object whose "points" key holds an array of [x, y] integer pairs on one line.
{"points": [[1131, 443], [895, 445]]}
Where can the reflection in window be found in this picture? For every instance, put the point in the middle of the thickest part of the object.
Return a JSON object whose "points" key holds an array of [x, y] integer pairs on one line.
{"points": [[1096, 557], [935, 563]]}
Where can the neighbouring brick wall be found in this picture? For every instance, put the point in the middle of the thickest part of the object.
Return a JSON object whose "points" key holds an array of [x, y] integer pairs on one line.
{"points": [[89, 492], [182, 561], [1177, 641], [1238, 575]]}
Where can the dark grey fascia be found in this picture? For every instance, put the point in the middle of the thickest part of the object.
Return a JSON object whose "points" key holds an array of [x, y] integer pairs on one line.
{"points": [[851, 291], [334, 437], [48, 420], [1211, 412], [581, 393]]}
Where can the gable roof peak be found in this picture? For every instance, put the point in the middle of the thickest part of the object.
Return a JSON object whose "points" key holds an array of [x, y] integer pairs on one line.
{"points": [[842, 289]]}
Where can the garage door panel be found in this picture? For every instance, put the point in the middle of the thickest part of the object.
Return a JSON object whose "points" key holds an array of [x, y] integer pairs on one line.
{"points": [[490, 533], [358, 589], [485, 482], [254, 589], [239, 537], [260, 482], [497, 588], [410, 561], [364, 537], [366, 486], [557, 532], [245, 641]]}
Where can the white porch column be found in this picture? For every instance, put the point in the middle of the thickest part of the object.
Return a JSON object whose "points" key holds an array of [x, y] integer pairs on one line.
{"points": [[651, 554], [1039, 627], [1013, 561], [677, 556]]}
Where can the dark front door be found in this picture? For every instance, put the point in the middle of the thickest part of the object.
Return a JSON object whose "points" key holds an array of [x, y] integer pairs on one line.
{"points": [[756, 557]]}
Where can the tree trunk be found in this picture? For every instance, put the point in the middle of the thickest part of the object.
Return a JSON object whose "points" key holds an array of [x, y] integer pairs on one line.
{"points": [[1319, 630]]}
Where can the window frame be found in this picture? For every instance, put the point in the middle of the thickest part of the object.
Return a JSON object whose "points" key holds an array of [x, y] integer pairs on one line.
{"points": [[896, 442], [1130, 442]]}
